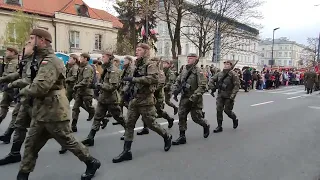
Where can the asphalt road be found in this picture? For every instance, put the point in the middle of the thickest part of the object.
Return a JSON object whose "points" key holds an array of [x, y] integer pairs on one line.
{"points": [[278, 138]]}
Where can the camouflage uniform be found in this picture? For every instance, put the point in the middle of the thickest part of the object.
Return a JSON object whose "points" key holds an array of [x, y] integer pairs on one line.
{"points": [[83, 94], [170, 79], [126, 72], [226, 96], [23, 118], [159, 95], [310, 79], [191, 101], [143, 103], [51, 115], [71, 79], [11, 66], [108, 101]]}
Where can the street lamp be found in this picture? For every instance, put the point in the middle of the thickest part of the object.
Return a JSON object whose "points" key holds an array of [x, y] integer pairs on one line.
{"points": [[272, 61]]}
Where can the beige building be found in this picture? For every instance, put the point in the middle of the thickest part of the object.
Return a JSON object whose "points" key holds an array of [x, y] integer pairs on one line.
{"points": [[74, 26], [286, 53]]}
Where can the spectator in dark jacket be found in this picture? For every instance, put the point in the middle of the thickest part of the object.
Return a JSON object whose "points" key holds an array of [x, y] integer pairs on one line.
{"points": [[247, 77]]}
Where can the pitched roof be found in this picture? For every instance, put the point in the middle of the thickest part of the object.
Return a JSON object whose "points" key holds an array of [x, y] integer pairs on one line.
{"points": [[49, 7], [106, 16]]}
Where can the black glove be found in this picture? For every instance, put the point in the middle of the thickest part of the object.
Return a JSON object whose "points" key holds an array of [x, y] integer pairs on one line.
{"points": [[128, 79], [98, 86]]}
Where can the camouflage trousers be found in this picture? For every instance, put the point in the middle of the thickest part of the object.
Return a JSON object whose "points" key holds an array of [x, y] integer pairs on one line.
{"points": [[82, 101], [226, 105], [40, 133], [160, 110], [7, 98], [101, 111], [15, 113], [69, 94], [22, 122], [167, 98], [148, 116], [195, 108]]}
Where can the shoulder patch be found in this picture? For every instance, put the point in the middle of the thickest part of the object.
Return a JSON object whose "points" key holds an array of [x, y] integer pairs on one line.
{"points": [[44, 62]]}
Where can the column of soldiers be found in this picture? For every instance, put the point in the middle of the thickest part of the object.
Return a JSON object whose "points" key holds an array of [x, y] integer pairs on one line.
{"points": [[47, 86]]}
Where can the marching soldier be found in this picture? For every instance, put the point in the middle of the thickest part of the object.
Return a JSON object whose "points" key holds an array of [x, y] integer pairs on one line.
{"points": [[10, 66], [72, 72], [144, 83], [310, 79], [191, 100], [22, 120], [227, 83], [126, 72], [50, 108], [170, 79], [83, 91], [108, 99]]}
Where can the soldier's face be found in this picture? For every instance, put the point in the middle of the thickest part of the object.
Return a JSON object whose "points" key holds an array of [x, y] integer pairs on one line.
{"points": [[105, 58], [166, 65], [9, 53], [83, 60], [191, 59], [227, 66], [71, 60], [41, 42], [28, 49], [140, 52], [126, 62]]}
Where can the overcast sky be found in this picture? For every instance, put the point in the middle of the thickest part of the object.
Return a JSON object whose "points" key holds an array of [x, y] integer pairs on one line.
{"points": [[297, 19]]}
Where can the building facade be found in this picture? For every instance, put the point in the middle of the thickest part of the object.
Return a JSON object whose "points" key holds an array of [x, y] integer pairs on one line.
{"points": [[242, 45], [74, 26], [286, 53]]}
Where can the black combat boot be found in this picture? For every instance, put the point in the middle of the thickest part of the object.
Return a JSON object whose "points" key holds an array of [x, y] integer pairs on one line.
{"points": [[167, 142], [14, 156], [206, 131], [235, 123], [6, 137], [126, 154], [181, 139], [122, 137], [92, 166], [104, 123], [91, 115], [89, 141], [62, 150], [219, 128], [143, 131], [170, 122], [23, 176], [109, 115], [74, 125]]}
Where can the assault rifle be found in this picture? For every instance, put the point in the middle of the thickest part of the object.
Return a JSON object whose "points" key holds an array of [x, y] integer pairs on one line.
{"points": [[220, 82], [128, 94], [184, 81], [21, 64], [34, 65]]}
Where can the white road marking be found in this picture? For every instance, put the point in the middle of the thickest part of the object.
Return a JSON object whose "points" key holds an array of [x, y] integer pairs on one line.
{"points": [[139, 128], [314, 107], [294, 97], [276, 92], [294, 92], [268, 102]]}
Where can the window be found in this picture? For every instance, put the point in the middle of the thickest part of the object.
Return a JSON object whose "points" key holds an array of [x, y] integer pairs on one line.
{"points": [[254, 46], [97, 42], [262, 54], [74, 39], [159, 47], [285, 54], [285, 62], [82, 10], [290, 62], [279, 54], [167, 49], [187, 49], [12, 37], [253, 59], [285, 47], [14, 2], [289, 54], [280, 47]]}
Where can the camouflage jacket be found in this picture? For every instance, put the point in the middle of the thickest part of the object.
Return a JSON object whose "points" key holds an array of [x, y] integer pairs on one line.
{"points": [[126, 72], [10, 67], [50, 101], [84, 80], [145, 82], [170, 79], [110, 83], [72, 73], [230, 85], [196, 83]]}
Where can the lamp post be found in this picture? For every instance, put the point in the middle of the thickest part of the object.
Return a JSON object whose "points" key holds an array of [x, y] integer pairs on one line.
{"points": [[272, 60]]}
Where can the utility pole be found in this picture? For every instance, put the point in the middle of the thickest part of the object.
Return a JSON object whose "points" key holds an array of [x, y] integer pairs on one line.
{"points": [[272, 60]]}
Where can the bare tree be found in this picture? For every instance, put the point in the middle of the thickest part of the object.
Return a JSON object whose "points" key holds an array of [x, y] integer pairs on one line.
{"points": [[313, 44], [222, 23], [172, 12]]}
